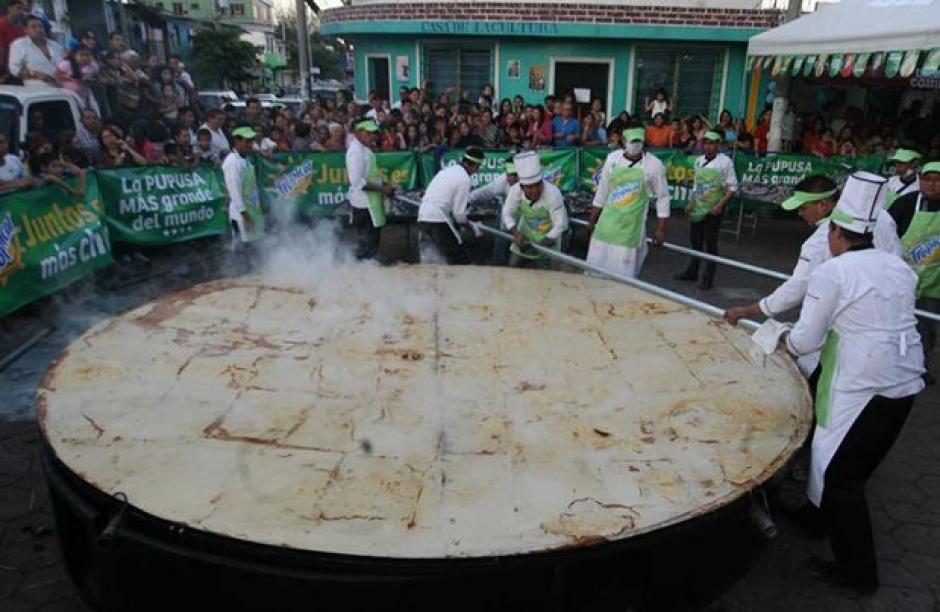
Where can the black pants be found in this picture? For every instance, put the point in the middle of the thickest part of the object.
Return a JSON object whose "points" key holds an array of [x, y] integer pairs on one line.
{"points": [[368, 234], [703, 235], [844, 509], [437, 244], [928, 328]]}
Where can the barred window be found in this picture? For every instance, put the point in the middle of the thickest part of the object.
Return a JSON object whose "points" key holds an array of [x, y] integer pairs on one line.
{"points": [[465, 68], [691, 77]]}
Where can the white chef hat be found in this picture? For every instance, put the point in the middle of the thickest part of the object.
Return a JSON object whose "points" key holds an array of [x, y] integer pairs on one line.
{"points": [[863, 197], [528, 167]]}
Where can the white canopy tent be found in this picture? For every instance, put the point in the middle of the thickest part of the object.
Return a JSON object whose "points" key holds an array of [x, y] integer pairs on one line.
{"points": [[855, 36]]}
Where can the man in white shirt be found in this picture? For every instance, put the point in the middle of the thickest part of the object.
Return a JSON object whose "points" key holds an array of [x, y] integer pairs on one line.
{"points": [[715, 184], [904, 180], [12, 173], [534, 211], [497, 189], [813, 198], [367, 189], [244, 202], [214, 120], [34, 57], [629, 178], [859, 308], [443, 206]]}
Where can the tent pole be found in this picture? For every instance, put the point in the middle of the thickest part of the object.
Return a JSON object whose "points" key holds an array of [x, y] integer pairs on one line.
{"points": [[781, 91]]}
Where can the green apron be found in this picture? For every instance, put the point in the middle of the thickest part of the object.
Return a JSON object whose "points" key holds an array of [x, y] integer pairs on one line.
{"points": [[252, 199], [920, 248], [534, 224], [623, 219], [376, 201], [828, 361], [708, 190]]}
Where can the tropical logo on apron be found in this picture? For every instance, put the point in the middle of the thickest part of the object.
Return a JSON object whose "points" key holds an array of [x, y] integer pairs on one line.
{"points": [[534, 224], [920, 248], [708, 190], [376, 201], [925, 253], [623, 219]]}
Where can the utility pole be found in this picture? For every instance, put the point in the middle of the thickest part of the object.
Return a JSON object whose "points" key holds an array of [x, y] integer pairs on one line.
{"points": [[781, 90], [303, 48]]}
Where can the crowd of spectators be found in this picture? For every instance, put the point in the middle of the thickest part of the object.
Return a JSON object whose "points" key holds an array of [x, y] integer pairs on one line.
{"points": [[140, 110]]}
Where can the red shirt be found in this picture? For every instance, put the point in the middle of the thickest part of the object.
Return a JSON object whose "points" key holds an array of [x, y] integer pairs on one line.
{"points": [[760, 137], [8, 33]]}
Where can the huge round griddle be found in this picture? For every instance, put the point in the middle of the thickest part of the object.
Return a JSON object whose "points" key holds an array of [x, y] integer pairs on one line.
{"points": [[421, 412]]}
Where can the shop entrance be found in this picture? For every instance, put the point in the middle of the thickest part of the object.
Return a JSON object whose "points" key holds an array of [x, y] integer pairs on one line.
{"points": [[585, 78], [379, 76]]}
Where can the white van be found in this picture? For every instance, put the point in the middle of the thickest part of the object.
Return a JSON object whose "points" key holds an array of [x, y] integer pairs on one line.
{"points": [[20, 107]]}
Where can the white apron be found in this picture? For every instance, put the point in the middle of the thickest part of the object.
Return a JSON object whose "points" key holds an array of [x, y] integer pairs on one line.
{"points": [[616, 258]]}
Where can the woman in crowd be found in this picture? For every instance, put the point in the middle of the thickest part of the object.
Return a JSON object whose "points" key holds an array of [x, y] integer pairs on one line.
{"points": [[75, 74], [697, 129], [486, 98], [762, 133], [726, 127], [505, 109], [539, 130], [813, 135], [660, 104], [597, 109], [115, 151], [658, 134]]}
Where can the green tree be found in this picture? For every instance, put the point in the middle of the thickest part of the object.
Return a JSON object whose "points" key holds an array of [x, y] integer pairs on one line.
{"points": [[326, 53], [222, 57]]}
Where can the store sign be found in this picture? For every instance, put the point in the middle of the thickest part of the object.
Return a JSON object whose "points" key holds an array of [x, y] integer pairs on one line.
{"points": [[488, 27], [922, 82]]}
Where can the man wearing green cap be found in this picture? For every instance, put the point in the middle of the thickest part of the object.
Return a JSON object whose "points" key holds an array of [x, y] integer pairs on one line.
{"points": [[629, 178], [497, 189], [715, 183], [905, 179], [917, 216], [244, 202], [443, 207], [813, 199], [367, 189]]}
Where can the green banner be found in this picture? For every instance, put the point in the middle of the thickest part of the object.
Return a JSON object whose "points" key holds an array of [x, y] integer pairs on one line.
{"points": [[49, 239], [316, 183], [559, 166], [771, 179], [163, 204]]}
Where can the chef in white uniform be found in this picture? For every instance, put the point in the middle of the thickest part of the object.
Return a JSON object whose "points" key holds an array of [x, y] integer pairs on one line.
{"points": [[367, 189], [814, 199], [859, 309], [244, 200], [904, 180], [497, 189], [443, 208], [629, 178], [534, 211]]}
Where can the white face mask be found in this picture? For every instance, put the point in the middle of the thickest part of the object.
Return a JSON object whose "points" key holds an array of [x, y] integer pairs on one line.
{"points": [[634, 148]]}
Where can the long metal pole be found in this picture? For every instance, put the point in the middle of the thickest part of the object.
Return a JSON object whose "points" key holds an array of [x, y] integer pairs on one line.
{"points": [[707, 256], [629, 280]]}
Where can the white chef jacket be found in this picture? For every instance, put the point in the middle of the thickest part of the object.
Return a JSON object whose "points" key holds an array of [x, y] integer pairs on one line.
{"points": [[867, 298], [233, 169], [497, 188], [551, 200], [24, 53], [358, 159], [12, 169], [815, 251], [447, 194], [896, 185], [725, 165], [656, 184]]}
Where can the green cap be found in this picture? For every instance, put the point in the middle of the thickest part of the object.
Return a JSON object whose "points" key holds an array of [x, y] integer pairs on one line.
{"points": [[713, 136], [634, 134], [931, 167], [367, 125], [904, 156], [245, 132], [510, 168], [799, 198]]}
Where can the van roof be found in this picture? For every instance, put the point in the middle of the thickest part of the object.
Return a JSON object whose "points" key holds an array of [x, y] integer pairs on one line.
{"points": [[27, 93]]}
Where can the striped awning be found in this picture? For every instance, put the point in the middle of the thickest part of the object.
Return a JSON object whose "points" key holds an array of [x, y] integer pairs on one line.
{"points": [[886, 64]]}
